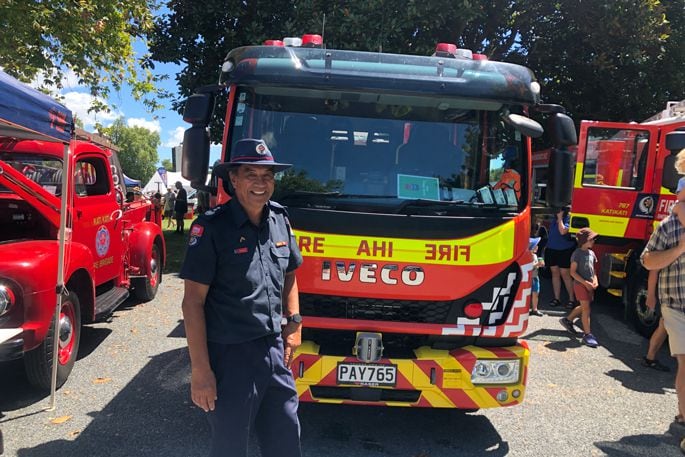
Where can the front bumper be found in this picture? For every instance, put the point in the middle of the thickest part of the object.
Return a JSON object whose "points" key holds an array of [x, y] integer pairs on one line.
{"points": [[11, 344], [432, 379]]}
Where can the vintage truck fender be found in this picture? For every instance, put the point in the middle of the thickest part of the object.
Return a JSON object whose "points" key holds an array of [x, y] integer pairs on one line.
{"points": [[30, 269], [140, 241]]}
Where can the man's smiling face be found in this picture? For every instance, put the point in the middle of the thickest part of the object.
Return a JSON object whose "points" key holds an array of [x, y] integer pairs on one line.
{"points": [[253, 184]]}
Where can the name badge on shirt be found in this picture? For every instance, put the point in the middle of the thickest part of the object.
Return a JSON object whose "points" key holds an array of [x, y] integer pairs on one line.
{"points": [[240, 251]]}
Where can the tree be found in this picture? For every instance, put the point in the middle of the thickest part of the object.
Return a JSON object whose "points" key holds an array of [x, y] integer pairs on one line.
{"points": [[92, 38], [615, 60], [602, 59], [137, 148], [199, 34], [167, 164]]}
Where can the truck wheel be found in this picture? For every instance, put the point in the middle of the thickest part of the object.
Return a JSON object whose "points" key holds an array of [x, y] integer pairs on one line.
{"points": [[145, 288], [645, 320], [38, 362]]}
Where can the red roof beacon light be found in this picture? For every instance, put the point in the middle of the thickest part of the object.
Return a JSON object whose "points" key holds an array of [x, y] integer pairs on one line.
{"points": [[273, 43], [479, 56], [445, 50], [312, 41]]}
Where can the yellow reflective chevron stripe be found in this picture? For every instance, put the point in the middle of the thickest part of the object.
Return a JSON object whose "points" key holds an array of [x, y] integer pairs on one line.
{"points": [[489, 247]]}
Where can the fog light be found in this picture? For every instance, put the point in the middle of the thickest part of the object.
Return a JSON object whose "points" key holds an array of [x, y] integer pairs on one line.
{"points": [[502, 396]]}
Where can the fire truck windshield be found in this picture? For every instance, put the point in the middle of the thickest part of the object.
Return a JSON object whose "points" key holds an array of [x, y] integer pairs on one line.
{"points": [[390, 148]]}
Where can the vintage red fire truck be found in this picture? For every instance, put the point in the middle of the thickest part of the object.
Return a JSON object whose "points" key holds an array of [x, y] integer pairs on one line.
{"points": [[623, 186], [112, 247], [416, 281]]}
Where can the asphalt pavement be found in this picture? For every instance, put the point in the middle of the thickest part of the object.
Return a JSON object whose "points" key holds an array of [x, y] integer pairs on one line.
{"points": [[128, 396]]}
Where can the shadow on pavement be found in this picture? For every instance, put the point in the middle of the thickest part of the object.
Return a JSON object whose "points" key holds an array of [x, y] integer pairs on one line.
{"points": [[665, 445], [153, 416]]}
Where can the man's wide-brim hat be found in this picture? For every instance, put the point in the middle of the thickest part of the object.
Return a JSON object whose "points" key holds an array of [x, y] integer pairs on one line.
{"points": [[249, 152]]}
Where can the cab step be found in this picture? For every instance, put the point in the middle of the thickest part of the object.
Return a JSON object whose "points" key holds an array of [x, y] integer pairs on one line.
{"points": [[619, 256], [615, 292], [107, 302], [619, 274]]}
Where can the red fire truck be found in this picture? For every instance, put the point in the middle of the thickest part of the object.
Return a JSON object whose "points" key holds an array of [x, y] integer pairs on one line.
{"points": [[112, 246], [623, 186], [416, 281]]}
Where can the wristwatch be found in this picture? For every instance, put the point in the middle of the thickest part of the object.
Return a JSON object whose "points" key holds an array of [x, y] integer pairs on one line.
{"points": [[294, 318]]}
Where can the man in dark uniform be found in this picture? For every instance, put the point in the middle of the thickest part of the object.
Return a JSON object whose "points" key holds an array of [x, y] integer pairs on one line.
{"points": [[240, 286]]}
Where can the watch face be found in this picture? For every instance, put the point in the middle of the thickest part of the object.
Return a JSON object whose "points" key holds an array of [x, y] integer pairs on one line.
{"points": [[295, 318]]}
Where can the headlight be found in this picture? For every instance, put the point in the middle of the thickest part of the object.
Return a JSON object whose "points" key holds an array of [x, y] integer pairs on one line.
{"points": [[6, 299], [496, 372]]}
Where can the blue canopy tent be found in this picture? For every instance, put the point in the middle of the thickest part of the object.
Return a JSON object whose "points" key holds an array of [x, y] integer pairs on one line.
{"points": [[26, 113], [130, 182]]}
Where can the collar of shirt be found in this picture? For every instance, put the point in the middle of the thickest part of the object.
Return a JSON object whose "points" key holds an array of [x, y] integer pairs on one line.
{"points": [[240, 216]]}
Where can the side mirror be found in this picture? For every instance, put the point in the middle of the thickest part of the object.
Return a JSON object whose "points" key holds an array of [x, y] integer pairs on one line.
{"points": [[560, 178], [195, 158], [561, 130], [198, 109], [674, 142]]}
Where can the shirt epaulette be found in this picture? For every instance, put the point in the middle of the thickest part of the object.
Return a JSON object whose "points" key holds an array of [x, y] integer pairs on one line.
{"points": [[212, 213]]}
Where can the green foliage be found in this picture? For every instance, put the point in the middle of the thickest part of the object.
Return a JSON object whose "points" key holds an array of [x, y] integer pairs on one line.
{"points": [[168, 164], [137, 149], [92, 38], [602, 59]]}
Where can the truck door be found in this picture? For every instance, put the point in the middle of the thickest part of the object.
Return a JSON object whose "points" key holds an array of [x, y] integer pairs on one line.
{"points": [[616, 188], [96, 224]]}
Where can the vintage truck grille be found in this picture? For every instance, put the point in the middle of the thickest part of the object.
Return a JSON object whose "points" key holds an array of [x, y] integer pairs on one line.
{"points": [[433, 312]]}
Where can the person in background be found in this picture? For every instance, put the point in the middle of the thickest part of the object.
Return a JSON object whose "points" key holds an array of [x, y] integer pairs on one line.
{"points": [[511, 178], [558, 252], [169, 203], [664, 253], [535, 286], [585, 282], [180, 207], [242, 313], [157, 205]]}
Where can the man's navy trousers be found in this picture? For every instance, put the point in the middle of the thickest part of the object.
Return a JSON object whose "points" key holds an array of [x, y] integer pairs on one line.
{"points": [[254, 389]]}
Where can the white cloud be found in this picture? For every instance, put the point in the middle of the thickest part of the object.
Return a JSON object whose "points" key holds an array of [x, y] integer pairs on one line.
{"points": [[175, 137], [79, 103], [152, 126]]}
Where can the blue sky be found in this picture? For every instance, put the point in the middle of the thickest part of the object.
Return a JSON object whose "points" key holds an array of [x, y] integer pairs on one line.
{"points": [[167, 123]]}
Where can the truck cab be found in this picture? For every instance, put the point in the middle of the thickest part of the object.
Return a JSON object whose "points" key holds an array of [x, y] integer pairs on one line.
{"points": [[623, 187]]}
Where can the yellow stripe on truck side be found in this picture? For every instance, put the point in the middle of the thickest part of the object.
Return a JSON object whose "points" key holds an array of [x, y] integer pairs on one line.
{"points": [[492, 246]]}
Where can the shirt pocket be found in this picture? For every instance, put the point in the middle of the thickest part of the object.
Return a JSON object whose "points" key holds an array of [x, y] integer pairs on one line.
{"points": [[281, 256]]}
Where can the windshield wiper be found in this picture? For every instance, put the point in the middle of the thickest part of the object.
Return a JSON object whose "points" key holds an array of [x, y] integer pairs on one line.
{"points": [[422, 203]]}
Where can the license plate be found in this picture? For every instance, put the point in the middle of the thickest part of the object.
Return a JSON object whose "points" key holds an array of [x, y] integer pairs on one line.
{"points": [[367, 374]]}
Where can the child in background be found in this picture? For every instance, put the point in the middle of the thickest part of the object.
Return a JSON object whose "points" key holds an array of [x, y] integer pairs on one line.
{"points": [[585, 282], [535, 287]]}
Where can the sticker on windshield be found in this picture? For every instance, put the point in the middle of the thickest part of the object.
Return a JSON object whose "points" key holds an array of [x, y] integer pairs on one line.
{"points": [[418, 187]]}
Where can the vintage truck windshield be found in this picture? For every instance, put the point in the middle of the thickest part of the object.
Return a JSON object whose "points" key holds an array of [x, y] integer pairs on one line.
{"points": [[45, 170], [385, 149]]}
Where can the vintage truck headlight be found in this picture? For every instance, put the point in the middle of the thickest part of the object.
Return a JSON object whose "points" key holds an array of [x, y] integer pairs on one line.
{"points": [[6, 299], [496, 372]]}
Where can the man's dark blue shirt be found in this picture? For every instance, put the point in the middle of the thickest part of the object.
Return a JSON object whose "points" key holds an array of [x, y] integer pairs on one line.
{"points": [[244, 267]]}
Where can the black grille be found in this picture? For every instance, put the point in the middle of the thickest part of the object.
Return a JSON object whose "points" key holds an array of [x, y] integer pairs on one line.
{"points": [[433, 312], [365, 394]]}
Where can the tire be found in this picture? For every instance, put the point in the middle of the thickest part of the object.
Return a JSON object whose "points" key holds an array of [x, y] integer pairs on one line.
{"points": [[38, 362], [644, 319], [145, 288]]}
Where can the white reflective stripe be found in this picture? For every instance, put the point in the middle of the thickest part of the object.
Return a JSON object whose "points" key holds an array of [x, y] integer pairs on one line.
{"points": [[8, 333]]}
